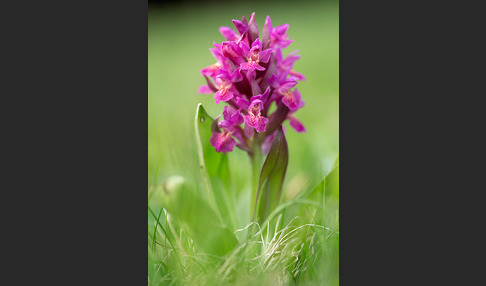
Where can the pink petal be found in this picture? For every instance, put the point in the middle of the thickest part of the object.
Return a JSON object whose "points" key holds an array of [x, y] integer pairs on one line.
{"points": [[274, 81], [268, 23], [267, 31], [297, 75], [265, 55], [284, 43], [237, 118], [228, 33], [204, 89], [296, 124], [242, 103], [245, 49], [252, 27], [240, 26], [248, 130], [222, 142], [256, 43], [258, 122], [291, 101], [280, 30], [230, 49], [236, 76], [287, 85], [259, 67], [223, 97]]}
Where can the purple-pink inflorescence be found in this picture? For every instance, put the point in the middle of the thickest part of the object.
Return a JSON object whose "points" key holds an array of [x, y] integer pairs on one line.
{"points": [[250, 74]]}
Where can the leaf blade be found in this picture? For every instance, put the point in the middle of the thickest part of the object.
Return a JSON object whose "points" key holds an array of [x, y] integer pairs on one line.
{"points": [[214, 169], [196, 216], [272, 176]]}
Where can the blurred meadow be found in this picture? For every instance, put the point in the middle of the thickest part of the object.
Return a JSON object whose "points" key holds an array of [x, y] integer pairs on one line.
{"points": [[179, 36]]}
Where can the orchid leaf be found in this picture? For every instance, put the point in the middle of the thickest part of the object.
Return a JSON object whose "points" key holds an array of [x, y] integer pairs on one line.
{"points": [[272, 176], [196, 217], [214, 169]]}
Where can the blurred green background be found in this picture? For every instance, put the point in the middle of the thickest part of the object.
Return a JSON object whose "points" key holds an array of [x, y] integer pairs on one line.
{"points": [[179, 36]]}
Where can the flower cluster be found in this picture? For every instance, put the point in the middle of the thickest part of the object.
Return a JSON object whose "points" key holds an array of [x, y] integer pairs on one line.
{"points": [[250, 74]]}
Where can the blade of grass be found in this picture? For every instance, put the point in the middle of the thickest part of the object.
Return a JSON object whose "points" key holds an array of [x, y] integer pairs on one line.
{"points": [[157, 219], [328, 187]]}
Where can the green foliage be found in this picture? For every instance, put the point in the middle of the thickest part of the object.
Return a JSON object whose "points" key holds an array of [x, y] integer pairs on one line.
{"points": [[296, 243], [176, 193]]}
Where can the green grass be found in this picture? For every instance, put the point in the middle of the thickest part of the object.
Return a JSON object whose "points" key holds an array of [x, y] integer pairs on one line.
{"points": [[299, 244]]}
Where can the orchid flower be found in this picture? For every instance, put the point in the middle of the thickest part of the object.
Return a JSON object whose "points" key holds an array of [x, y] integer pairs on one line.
{"points": [[255, 55], [250, 75]]}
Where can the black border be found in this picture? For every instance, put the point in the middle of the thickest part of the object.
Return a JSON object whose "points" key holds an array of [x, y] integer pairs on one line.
{"points": [[77, 85], [75, 103]]}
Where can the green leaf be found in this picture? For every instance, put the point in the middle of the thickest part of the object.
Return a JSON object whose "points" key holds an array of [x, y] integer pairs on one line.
{"points": [[194, 215], [214, 169], [272, 176]]}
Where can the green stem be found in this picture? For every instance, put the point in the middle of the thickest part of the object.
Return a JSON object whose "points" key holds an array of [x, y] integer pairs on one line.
{"points": [[256, 162]]}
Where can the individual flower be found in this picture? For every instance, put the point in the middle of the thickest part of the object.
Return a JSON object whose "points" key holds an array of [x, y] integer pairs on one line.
{"points": [[224, 85], [232, 51], [277, 36], [285, 66], [292, 99], [222, 142], [255, 55], [254, 118]]}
